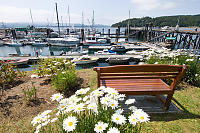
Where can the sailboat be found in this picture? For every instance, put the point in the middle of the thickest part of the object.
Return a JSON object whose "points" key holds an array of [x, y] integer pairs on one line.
{"points": [[65, 41]]}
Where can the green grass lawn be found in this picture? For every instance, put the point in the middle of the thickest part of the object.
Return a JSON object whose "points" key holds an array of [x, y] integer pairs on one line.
{"points": [[188, 121]]}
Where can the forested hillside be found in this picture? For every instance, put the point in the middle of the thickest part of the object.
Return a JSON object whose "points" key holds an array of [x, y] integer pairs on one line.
{"points": [[184, 21]]}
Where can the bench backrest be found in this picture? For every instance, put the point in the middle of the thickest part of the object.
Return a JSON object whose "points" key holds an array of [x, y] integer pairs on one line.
{"points": [[145, 71]]}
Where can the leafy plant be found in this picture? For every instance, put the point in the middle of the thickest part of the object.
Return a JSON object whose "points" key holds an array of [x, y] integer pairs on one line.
{"points": [[7, 75], [30, 94]]}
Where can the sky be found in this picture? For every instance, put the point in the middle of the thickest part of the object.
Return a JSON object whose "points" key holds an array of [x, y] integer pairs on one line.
{"points": [[106, 12]]}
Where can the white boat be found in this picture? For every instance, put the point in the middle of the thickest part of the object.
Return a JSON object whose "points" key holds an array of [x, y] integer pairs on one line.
{"points": [[95, 40], [85, 59], [70, 53], [105, 52], [66, 41], [134, 52], [14, 43], [39, 43]]}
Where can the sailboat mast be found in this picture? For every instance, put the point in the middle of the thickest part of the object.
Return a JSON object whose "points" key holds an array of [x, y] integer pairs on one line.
{"points": [[57, 20], [93, 29], [82, 20], [69, 16], [129, 22], [31, 16]]}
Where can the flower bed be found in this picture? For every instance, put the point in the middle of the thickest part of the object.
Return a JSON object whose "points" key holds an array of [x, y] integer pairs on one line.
{"points": [[98, 111]]}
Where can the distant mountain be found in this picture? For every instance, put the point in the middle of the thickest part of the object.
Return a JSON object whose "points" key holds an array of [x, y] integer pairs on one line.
{"points": [[22, 24], [184, 21]]}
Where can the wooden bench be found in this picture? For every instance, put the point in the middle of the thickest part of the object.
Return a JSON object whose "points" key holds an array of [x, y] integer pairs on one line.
{"points": [[141, 79]]}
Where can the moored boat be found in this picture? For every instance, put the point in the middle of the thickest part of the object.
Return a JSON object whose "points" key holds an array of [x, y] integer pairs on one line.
{"points": [[85, 59], [117, 60], [17, 62]]}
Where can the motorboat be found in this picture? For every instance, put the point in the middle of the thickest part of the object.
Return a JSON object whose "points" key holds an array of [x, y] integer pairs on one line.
{"points": [[118, 60], [19, 55], [118, 48], [14, 43], [134, 52], [85, 59], [18, 62], [39, 43], [105, 52], [95, 40], [71, 53]]}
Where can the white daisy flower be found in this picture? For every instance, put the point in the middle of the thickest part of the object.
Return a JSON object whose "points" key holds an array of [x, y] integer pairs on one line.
{"points": [[92, 106], [46, 112], [113, 92], [87, 89], [37, 119], [118, 119], [62, 106], [38, 128], [100, 127], [73, 99], [105, 100], [121, 97], [81, 91], [69, 108], [97, 93], [113, 104], [56, 97], [69, 124], [142, 116], [79, 107], [113, 130], [129, 101], [119, 111], [133, 119], [64, 101]]}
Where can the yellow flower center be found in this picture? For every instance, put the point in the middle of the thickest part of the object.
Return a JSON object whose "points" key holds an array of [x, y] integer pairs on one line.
{"points": [[57, 97], [117, 119], [38, 119], [62, 106], [98, 93], [113, 93], [100, 127], [70, 123], [112, 104], [92, 106], [106, 100], [79, 108], [71, 107], [142, 117], [81, 92], [134, 119]]}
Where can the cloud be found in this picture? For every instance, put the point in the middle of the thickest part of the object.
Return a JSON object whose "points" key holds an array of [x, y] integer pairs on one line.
{"points": [[151, 5], [15, 14]]}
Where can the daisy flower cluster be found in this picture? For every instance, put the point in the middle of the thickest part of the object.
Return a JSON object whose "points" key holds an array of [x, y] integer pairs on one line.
{"points": [[42, 120], [99, 111]]}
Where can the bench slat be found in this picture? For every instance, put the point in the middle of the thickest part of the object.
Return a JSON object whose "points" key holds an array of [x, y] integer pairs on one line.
{"points": [[136, 77], [139, 73], [141, 68]]}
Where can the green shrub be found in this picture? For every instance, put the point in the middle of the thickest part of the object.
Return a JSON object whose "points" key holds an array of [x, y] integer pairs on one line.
{"points": [[192, 75], [7, 75], [65, 80]]}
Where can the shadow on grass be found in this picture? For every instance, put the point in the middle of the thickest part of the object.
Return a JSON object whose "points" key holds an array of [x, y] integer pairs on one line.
{"points": [[185, 114]]}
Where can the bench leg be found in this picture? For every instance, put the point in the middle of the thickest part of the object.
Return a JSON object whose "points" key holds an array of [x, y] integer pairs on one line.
{"points": [[168, 101]]}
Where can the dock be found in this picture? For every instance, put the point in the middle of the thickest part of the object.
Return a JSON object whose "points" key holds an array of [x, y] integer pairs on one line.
{"points": [[101, 57], [127, 47]]}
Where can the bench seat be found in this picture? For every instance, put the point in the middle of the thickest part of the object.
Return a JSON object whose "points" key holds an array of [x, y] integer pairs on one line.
{"points": [[138, 86]]}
